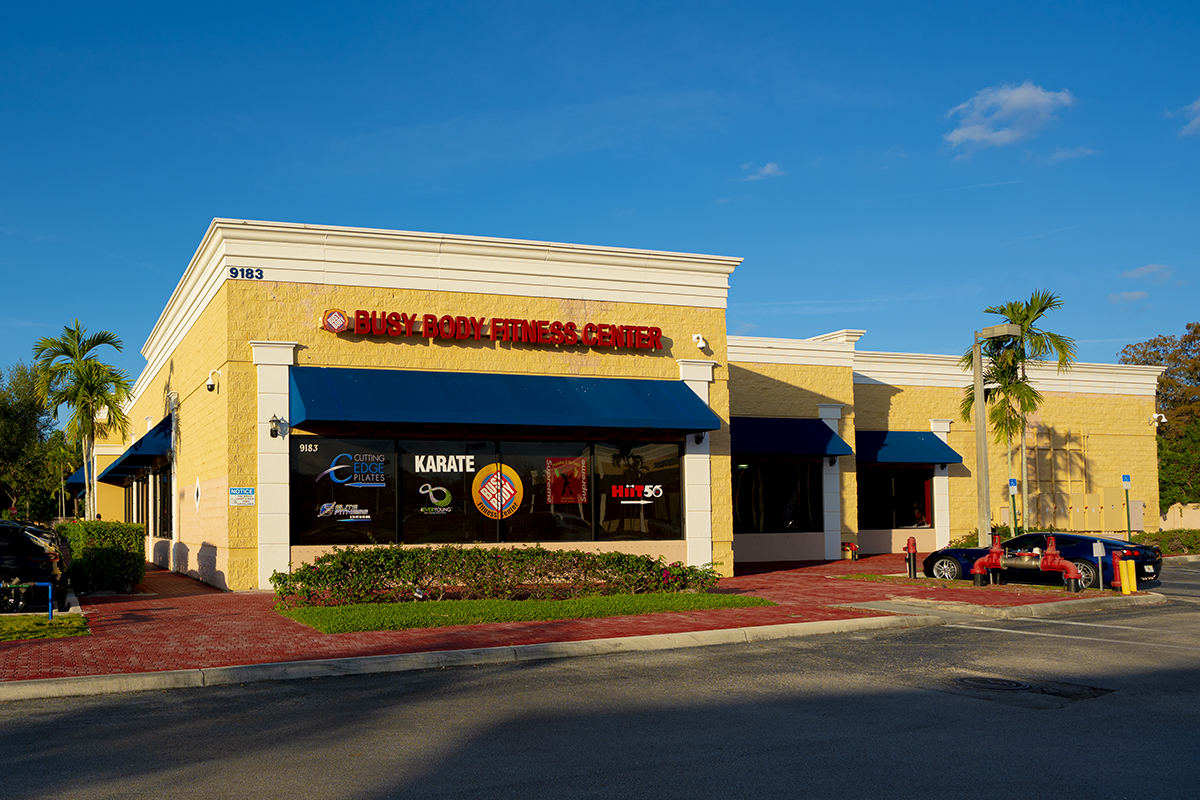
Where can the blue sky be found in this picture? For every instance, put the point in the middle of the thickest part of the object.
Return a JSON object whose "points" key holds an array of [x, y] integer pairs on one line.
{"points": [[894, 167]]}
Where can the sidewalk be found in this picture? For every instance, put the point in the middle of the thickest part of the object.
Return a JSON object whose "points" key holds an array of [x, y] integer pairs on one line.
{"points": [[182, 624]]}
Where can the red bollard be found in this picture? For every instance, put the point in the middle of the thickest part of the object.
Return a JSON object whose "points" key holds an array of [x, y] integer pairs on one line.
{"points": [[1116, 568], [911, 556]]}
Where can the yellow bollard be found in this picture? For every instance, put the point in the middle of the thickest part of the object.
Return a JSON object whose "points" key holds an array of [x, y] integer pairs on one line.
{"points": [[1128, 576]]}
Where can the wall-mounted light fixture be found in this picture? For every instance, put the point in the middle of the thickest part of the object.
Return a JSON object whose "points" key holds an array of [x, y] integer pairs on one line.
{"points": [[275, 423], [699, 340], [1157, 419], [699, 437], [211, 383], [833, 461]]}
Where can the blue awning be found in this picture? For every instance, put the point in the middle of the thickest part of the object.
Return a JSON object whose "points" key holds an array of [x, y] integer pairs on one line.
{"points": [[140, 455], [785, 436], [76, 483], [322, 395], [903, 447]]}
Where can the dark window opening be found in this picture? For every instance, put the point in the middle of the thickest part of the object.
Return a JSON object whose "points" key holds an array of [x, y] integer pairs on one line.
{"points": [[891, 497], [460, 491], [777, 496], [162, 499]]}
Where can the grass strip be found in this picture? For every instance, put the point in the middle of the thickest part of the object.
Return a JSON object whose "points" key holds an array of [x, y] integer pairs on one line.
{"points": [[15, 629], [440, 613]]}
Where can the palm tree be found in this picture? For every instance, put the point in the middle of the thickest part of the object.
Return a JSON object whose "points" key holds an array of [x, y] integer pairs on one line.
{"points": [[1007, 393], [69, 373], [1033, 345]]}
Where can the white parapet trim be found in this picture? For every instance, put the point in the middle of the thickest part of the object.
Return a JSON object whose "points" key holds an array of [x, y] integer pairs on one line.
{"points": [[836, 352], [924, 369], [343, 256]]}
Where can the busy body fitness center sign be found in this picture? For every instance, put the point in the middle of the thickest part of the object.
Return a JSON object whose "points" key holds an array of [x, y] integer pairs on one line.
{"points": [[495, 329]]}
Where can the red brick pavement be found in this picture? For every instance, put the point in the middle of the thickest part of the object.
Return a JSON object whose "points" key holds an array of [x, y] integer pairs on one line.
{"points": [[180, 623]]}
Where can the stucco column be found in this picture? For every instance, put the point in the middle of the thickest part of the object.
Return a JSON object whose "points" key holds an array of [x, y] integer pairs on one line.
{"points": [[941, 489], [831, 485], [272, 360], [697, 471]]}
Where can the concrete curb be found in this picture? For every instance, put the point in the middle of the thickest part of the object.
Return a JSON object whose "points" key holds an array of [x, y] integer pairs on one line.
{"points": [[1180, 559], [1018, 612], [366, 665]]}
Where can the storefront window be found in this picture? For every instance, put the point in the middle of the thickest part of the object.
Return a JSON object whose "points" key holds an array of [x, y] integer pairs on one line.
{"points": [[638, 487], [891, 497], [436, 492], [777, 496], [439, 491], [343, 491], [555, 480]]}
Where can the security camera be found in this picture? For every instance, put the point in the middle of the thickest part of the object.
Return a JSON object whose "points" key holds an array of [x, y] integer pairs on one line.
{"points": [[211, 384], [699, 340]]}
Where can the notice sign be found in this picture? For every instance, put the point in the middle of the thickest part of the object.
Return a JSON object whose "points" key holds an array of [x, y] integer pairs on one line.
{"points": [[1125, 481], [566, 480], [241, 495]]}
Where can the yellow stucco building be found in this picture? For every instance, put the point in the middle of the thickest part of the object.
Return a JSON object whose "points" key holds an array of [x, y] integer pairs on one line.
{"points": [[308, 387]]}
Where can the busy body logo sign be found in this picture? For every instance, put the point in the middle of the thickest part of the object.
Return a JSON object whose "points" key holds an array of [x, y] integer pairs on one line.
{"points": [[496, 329], [497, 491]]}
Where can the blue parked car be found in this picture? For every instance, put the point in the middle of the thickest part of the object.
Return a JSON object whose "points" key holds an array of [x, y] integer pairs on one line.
{"points": [[1023, 555]]}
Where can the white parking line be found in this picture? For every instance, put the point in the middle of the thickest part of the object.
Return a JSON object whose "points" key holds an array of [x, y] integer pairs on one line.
{"points": [[1095, 625], [1076, 638]]}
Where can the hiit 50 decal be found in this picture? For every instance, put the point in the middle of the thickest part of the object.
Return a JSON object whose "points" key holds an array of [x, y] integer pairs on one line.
{"points": [[637, 494], [495, 329], [497, 491]]}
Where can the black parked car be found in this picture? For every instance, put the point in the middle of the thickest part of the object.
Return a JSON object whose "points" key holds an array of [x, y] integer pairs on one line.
{"points": [[1024, 553], [30, 554]]}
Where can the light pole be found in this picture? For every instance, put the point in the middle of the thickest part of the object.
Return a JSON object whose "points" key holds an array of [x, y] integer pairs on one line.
{"points": [[1005, 331]]}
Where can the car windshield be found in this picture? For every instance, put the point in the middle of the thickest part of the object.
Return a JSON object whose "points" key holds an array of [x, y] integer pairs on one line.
{"points": [[1027, 542]]}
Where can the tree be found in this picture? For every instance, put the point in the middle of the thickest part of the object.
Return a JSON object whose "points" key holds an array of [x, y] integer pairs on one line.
{"points": [[25, 424], [1008, 395], [69, 373], [1179, 400], [1009, 360]]}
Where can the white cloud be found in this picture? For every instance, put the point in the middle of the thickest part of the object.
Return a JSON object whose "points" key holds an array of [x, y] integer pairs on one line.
{"points": [[1193, 126], [771, 170], [1065, 154], [1126, 297], [1156, 273], [1005, 114]]}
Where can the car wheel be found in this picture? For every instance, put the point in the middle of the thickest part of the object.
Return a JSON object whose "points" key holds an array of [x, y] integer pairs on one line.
{"points": [[12, 600], [1087, 573], [946, 569]]}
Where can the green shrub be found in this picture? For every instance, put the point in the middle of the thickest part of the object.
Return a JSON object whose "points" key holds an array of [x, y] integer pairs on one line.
{"points": [[397, 574], [1174, 542], [105, 555]]}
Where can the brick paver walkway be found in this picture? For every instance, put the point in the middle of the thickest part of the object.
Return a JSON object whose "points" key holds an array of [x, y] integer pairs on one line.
{"points": [[180, 623]]}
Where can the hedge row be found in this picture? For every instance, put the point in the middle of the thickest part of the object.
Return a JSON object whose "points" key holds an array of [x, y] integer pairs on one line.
{"points": [[397, 574], [105, 555], [1174, 542]]}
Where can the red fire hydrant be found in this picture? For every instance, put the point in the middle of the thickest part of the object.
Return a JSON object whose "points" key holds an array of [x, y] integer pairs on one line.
{"points": [[989, 562], [1052, 561]]}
